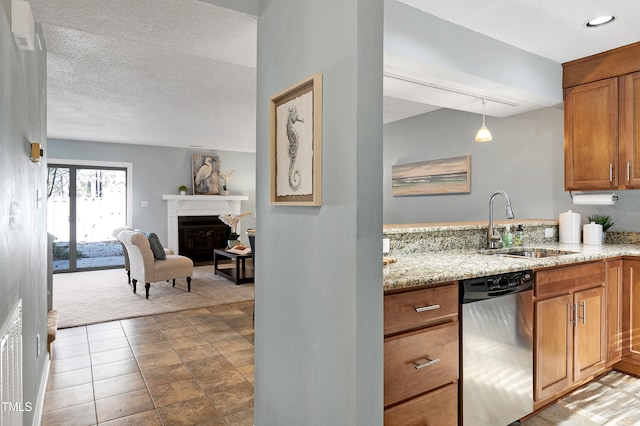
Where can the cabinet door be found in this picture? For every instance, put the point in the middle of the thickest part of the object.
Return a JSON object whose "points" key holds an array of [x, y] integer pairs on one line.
{"points": [[436, 408], [614, 311], [420, 361], [630, 131], [553, 351], [591, 136], [590, 349], [631, 310]]}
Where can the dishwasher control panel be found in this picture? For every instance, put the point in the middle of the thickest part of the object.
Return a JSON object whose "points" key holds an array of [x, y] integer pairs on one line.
{"points": [[488, 287]]}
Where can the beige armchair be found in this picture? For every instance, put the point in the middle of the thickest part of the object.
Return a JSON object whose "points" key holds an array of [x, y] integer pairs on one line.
{"points": [[127, 268], [144, 267]]}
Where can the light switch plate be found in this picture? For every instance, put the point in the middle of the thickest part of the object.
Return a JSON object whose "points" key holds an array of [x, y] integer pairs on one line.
{"points": [[144, 204], [548, 233], [386, 243]]}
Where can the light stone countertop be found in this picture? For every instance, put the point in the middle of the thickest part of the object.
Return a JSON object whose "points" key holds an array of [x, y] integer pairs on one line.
{"points": [[441, 266]]}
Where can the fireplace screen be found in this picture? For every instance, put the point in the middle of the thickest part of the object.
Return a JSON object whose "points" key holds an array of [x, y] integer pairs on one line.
{"points": [[199, 235]]}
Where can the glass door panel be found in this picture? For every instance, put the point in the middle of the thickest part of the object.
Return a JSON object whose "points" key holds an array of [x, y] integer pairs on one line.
{"points": [[83, 224], [101, 207], [58, 214]]}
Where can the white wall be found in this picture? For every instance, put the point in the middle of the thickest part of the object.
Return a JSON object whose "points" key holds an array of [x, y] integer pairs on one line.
{"points": [[23, 233], [318, 348], [525, 159], [160, 170], [519, 160]]}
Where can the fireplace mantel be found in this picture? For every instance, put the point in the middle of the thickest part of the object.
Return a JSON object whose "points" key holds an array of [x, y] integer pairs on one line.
{"points": [[197, 205]]}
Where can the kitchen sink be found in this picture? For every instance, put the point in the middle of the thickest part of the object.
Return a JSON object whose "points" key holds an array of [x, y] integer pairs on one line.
{"points": [[525, 252]]}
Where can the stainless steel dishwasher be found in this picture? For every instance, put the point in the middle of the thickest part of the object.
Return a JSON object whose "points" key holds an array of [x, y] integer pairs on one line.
{"points": [[496, 368]]}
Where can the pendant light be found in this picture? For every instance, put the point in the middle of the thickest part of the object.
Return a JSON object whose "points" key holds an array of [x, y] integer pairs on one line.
{"points": [[483, 135]]}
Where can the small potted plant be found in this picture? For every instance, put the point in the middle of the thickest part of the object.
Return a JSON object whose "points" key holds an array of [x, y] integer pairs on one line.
{"points": [[604, 220], [183, 189]]}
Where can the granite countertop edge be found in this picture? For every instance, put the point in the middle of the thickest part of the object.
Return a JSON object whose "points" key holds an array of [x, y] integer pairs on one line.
{"points": [[442, 266]]}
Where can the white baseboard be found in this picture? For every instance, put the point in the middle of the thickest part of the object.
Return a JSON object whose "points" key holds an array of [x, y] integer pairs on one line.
{"points": [[39, 408]]}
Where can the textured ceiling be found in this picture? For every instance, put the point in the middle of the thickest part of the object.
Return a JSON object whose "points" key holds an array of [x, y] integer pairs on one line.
{"points": [[182, 72], [157, 72]]}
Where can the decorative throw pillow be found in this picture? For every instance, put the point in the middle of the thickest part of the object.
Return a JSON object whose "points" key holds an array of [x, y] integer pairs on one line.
{"points": [[156, 247]]}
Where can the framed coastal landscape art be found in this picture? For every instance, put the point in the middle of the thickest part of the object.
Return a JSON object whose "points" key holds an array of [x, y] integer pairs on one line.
{"points": [[296, 144], [443, 176]]}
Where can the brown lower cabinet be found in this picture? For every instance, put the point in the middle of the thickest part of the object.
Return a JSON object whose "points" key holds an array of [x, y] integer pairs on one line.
{"points": [[439, 407], [630, 362], [421, 357], [586, 319], [570, 333]]}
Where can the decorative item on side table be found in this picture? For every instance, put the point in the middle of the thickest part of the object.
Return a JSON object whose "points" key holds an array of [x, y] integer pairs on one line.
{"points": [[233, 220], [604, 220], [225, 177], [183, 189]]}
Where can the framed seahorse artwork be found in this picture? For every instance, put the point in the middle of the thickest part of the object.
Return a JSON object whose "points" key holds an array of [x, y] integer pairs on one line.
{"points": [[296, 144]]}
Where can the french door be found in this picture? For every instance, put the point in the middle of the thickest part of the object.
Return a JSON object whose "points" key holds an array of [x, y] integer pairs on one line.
{"points": [[84, 205]]}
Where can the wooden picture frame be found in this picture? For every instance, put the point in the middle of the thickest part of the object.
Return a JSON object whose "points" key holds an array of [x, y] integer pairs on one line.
{"points": [[205, 174], [296, 144], [443, 176]]}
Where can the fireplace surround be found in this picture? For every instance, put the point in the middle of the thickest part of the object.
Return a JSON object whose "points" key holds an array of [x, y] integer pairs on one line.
{"points": [[199, 206]]}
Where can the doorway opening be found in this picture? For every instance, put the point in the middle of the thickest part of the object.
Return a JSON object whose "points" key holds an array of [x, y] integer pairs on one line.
{"points": [[85, 203]]}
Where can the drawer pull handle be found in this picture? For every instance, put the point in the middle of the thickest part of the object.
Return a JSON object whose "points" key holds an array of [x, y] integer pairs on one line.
{"points": [[419, 365], [427, 308]]}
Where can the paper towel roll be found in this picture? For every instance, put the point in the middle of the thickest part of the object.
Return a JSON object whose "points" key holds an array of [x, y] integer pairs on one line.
{"points": [[599, 199], [569, 224], [592, 234]]}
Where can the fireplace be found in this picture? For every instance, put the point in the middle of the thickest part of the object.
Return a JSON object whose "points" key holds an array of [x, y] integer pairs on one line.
{"points": [[186, 206], [199, 235]]}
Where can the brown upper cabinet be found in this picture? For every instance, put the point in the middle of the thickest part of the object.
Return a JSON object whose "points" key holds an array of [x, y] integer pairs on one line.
{"points": [[602, 120]]}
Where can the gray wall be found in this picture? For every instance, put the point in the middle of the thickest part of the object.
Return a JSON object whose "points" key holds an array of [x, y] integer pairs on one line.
{"points": [[318, 348], [160, 170], [23, 233], [525, 159]]}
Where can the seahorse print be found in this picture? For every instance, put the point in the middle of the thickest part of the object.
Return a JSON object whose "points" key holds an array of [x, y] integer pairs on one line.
{"points": [[295, 178]]}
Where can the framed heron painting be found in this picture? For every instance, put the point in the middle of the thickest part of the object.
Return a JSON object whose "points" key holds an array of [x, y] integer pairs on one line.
{"points": [[296, 144], [205, 169]]}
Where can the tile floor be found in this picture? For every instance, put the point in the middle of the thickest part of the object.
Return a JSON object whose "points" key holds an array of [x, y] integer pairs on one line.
{"points": [[611, 400], [195, 367], [185, 368]]}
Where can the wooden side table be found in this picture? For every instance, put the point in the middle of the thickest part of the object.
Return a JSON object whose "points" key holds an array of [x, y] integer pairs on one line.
{"points": [[239, 274]]}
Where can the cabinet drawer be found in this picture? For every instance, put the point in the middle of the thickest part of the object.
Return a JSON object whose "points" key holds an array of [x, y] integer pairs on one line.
{"points": [[553, 282], [420, 361], [437, 408], [417, 308]]}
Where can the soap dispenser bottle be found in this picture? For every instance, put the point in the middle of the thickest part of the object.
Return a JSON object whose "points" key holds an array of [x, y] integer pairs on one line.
{"points": [[507, 238], [518, 238]]}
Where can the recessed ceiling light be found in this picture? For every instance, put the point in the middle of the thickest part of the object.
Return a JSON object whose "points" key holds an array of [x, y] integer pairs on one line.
{"points": [[599, 21]]}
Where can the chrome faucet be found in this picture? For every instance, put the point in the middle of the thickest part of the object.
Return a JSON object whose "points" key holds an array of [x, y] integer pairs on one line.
{"points": [[493, 238]]}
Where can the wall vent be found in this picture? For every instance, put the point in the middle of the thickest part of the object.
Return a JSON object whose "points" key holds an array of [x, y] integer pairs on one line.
{"points": [[22, 24], [11, 404]]}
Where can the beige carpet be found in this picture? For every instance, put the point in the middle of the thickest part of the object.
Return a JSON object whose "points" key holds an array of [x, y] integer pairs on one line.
{"points": [[83, 298]]}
